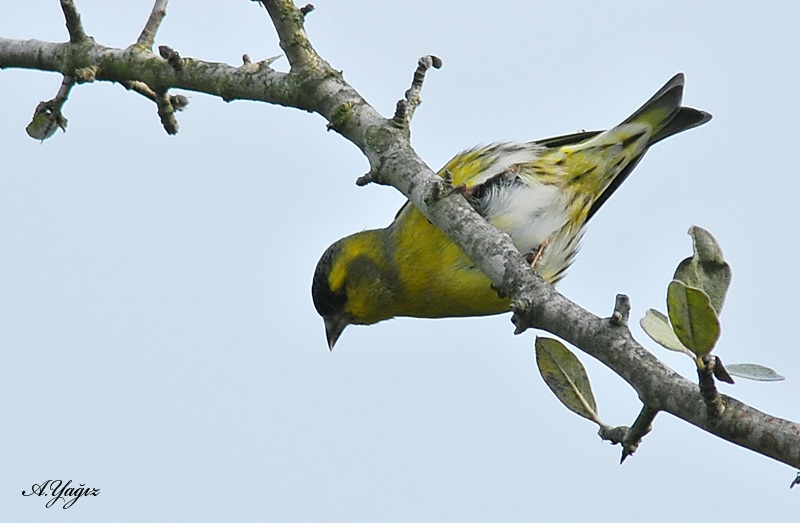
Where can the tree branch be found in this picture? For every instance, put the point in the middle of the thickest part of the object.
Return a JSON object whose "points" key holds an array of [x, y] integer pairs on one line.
{"points": [[166, 113], [74, 24], [148, 35], [288, 21], [411, 100], [131, 65], [640, 428], [313, 85], [660, 388], [47, 116], [179, 102]]}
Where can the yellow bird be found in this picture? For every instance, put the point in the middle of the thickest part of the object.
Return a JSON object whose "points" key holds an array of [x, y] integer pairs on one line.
{"points": [[540, 193]]}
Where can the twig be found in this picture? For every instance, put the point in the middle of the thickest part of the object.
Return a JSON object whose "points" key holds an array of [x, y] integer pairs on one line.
{"points": [[288, 21], [708, 388], [640, 428], [261, 65], [172, 57], [407, 106], [629, 437], [178, 101], [443, 189], [403, 115], [615, 435], [47, 117], [365, 179], [306, 9], [63, 91], [167, 104], [166, 112], [157, 15], [622, 311], [74, 24]]}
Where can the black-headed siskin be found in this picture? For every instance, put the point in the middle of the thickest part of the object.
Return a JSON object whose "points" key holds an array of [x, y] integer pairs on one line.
{"points": [[540, 193]]}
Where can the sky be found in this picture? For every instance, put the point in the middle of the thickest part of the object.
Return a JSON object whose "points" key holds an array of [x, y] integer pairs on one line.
{"points": [[157, 336]]}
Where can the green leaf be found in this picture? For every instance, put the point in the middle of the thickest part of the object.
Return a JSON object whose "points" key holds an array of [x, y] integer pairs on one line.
{"points": [[752, 371], [656, 325], [693, 319], [566, 377], [706, 269]]}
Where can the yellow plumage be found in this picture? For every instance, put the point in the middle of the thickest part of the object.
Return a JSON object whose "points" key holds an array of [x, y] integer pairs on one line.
{"points": [[540, 193]]}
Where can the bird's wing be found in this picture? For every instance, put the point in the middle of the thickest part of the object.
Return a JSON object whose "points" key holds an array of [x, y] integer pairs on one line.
{"points": [[567, 139], [474, 167], [479, 165]]}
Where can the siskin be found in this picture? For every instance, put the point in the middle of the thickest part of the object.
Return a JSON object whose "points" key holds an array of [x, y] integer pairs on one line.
{"points": [[540, 193]]}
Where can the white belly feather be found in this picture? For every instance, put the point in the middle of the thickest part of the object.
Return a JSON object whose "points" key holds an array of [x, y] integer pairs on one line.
{"points": [[530, 214]]}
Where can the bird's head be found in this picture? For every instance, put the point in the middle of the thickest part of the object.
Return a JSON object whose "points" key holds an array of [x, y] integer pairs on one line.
{"points": [[352, 284]]}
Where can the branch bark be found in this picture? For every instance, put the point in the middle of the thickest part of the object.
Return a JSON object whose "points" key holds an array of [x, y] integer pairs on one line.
{"points": [[148, 35], [74, 24], [313, 85]]}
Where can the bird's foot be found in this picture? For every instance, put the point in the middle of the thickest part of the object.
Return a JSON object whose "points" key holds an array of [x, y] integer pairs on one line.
{"points": [[533, 257]]}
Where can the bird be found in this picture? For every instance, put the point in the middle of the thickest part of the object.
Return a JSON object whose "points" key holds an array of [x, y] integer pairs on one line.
{"points": [[541, 193]]}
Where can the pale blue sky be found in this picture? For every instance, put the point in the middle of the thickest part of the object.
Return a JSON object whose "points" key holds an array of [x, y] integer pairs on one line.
{"points": [[157, 336]]}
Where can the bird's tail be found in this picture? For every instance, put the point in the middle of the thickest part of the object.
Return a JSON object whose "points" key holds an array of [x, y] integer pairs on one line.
{"points": [[660, 117], [595, 166], [663, 112]]}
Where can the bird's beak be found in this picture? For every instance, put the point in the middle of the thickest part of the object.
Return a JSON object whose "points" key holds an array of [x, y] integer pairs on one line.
{"points": [[334, 325]]}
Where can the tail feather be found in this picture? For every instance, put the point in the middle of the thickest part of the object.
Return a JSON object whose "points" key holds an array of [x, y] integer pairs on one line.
{"points": [[664, 112], [686, 118], [662, 106]]}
